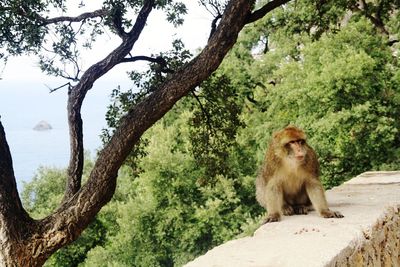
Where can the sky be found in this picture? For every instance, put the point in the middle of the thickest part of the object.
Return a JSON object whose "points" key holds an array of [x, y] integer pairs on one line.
{"points": [[156, 36]]}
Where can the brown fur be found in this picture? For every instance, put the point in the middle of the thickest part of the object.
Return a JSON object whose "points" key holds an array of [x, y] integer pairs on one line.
{"points": [[289, 182]]}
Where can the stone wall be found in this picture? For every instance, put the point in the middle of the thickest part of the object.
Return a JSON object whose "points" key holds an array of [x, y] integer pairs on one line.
{"points": [[369, 235]]}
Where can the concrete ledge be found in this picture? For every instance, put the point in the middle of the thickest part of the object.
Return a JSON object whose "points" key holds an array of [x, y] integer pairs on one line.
{"points": [[369, 235]]}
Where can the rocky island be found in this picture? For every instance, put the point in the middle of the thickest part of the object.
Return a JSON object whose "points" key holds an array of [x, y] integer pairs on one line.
{"points": [[42, 126]]}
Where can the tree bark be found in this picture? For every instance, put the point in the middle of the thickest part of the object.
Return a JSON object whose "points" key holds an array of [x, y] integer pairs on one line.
{"points": [[77, 94], [14, 221], [28, 242]]}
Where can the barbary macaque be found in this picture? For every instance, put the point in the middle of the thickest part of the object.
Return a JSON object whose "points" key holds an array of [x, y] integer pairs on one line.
{"points": [[289, 182]]}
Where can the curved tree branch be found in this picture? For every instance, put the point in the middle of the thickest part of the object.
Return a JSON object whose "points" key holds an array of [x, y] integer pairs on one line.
{"points": [[78, 92], [258, 14], [159, 60], [81, 17]]}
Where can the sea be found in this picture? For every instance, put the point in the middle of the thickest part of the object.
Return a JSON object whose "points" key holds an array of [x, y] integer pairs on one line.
{"points": [[23, 105]]}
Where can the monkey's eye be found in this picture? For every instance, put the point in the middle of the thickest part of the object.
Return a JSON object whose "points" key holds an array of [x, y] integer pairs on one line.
{"points": [[287, 146], [300, 141]]}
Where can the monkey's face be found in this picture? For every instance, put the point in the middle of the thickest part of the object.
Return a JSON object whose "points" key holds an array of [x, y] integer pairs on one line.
{"points": [[297, 150]]}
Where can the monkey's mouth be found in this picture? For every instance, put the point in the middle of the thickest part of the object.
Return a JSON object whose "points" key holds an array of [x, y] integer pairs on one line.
{"points": [[300, 158]]}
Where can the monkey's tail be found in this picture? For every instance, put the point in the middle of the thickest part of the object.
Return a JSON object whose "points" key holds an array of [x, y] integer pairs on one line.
{"points": [[260, 189]]}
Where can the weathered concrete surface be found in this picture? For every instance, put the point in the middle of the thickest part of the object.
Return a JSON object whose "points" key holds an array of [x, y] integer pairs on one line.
{"points": [[369, 235]]}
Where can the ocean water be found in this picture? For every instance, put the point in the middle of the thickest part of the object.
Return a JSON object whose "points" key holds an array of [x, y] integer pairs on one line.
{"points": [[23, 105]]}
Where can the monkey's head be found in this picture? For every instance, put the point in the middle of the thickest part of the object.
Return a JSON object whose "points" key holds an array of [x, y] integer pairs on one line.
{"points": [[291, 142]]}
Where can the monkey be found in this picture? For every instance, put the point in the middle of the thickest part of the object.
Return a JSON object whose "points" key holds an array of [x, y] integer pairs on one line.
{"points": [[288, 182]]}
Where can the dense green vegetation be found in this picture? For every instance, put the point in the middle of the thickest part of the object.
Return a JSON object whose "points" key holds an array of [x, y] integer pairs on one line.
{"points": [[190, 184]]}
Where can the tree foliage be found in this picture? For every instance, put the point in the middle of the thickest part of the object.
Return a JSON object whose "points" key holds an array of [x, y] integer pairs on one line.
{"points": [[214, 124], [341, 87]]}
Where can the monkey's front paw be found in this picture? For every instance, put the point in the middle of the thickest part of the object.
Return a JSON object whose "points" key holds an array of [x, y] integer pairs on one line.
{"points": [[331, 214], [272, 218]]}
